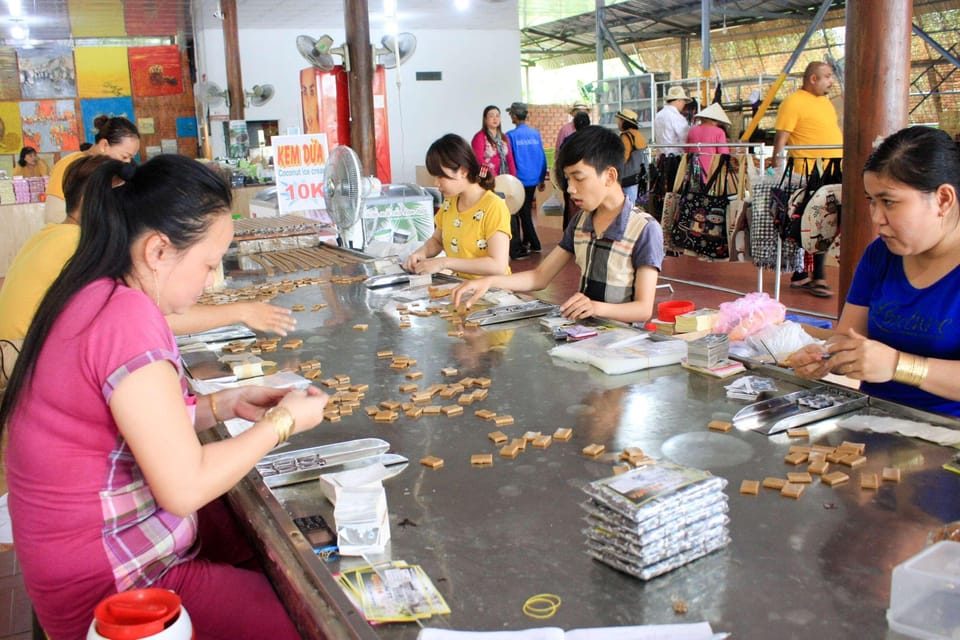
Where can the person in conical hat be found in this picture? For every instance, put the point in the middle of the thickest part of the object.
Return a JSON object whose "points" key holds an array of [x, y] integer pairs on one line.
{"points": [[709, 132]]}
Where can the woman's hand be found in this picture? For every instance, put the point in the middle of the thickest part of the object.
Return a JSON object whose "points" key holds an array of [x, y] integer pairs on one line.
{"points": [[261, 316], [472, 290], [810, 362], [429, 265], [306, 406], [414, 259], [860, 358], [577, 307]]}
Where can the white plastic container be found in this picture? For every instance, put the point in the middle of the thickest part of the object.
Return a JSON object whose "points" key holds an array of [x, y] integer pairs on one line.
{"points": [[925, 594]]}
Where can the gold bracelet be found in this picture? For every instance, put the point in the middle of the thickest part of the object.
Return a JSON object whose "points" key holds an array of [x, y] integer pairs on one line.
{"points": [[911, 370], [282, 420], [213, 407]]}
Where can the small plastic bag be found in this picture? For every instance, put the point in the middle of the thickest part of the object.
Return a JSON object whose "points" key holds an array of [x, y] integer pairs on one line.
{"points": [[748, 315]]}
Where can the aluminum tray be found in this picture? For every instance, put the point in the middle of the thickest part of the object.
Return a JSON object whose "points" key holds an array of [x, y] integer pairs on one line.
{"points": [[785, 412], [302, 465]]}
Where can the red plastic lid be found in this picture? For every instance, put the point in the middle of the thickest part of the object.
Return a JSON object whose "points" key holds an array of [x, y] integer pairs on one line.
{"points": [[669, 310], [134, 614]]}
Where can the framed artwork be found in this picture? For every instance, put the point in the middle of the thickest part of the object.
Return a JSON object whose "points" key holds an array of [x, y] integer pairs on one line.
{"points": [[102, 72], [100, 19], [145, 17], [7, 163], [155, 71], [11, 135], [113, 107], [47, 72], [50, 125], [9, 74]]}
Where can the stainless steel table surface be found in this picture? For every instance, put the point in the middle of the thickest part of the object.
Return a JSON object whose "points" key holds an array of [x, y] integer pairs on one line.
{"points": [[817, 567]]}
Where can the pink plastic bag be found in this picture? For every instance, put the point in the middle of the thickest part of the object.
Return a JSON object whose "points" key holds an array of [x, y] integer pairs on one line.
{"points": [[749, 314]]}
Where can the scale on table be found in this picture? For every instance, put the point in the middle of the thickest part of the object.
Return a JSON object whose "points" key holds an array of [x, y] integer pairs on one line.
{"points": [[511, 312], [798, 408]]}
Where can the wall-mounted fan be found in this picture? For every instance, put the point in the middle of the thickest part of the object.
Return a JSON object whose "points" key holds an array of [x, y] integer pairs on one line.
{"points": [[260, 95], [394, 50], [344, 192], [210, 93], [319, 52]]}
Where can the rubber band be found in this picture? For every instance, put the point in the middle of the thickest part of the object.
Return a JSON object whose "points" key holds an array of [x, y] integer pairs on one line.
{"points": [[541, 606]]}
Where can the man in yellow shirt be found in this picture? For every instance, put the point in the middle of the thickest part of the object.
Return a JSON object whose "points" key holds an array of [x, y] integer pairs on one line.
{"points": [[807, 117]]}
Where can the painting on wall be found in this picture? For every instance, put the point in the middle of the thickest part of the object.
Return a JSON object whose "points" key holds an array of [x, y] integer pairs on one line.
{"points": [[47, 72], [155, 71], [50, 125], [7, 163], [113, 107], [11, 139], [145, 17], [102, 72], [9, 75], [100, 19]]}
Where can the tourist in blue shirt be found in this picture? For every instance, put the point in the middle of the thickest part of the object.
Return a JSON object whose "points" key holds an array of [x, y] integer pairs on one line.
{"points": [[898, 331], [531, 164]]}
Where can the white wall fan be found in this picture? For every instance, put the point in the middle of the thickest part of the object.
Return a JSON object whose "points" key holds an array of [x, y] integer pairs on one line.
{"points": [[261, 95], [211, 94], [344, 191], [394, 50], [319, 52]]}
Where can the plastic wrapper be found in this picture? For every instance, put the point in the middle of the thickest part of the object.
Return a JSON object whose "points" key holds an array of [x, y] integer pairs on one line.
{"points": [[604, 518], [628, 550], [748, 315], [647, 572], [775, 341]]}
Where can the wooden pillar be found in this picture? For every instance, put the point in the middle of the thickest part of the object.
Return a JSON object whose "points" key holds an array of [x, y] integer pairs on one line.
{"points": [[360, 81], [875, 104], [231, 48]]}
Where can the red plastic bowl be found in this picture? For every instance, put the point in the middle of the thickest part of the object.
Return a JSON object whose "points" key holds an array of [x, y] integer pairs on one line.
{"points": [[669, 310], [137, 613]]}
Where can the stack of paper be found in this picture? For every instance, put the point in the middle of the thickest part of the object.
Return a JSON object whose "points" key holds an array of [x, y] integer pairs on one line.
{"points": [[709, 350], [656, 518], [393, 592], [699, 320]]}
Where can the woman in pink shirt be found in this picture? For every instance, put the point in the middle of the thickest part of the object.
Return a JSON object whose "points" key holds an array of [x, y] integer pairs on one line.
{"points": [[492, 147], [709, 132]]}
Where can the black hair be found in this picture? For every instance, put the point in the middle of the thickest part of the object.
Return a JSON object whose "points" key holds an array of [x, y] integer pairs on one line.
{"points": [[169, 194], [75, 179], [85, 145], [581, 119], [922, 158], [114, 130], [596, 146], [23, 155], [453, 152]]}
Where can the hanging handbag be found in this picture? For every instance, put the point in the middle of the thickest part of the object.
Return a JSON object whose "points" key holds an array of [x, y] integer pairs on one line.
{"points": [[670, 201], [820, 222], [738, 213], [701, 223], [780, 199]]}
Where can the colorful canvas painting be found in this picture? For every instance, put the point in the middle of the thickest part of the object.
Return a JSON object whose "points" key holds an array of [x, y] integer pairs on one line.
{"points": [[102, 72], [47, 72], [9, 75], [155, 71], [145, 17], [50, 125], [113, 107], [11, 138], [100, 19]]}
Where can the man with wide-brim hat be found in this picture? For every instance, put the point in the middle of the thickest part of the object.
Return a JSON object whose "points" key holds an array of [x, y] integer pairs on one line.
{"points": [[567, 130], [634, 154], [670, 126]]}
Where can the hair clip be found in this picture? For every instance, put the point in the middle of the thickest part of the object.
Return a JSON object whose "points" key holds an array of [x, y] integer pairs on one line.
{"points": [[483, 171]]}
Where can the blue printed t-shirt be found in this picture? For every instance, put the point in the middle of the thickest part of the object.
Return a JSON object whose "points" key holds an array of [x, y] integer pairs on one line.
{"points": [[609, 263], [919, 321]]}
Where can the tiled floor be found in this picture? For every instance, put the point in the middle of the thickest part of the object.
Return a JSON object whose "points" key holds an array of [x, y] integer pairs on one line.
{"points": [[731, 280]]}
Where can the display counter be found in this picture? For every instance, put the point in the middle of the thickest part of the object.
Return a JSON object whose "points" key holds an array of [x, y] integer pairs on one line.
{"points": [[491, 537], [18, 222]]}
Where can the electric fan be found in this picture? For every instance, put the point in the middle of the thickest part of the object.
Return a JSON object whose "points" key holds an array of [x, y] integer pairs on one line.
{"points": [[261, 95], [344, 192], [210, 94]]}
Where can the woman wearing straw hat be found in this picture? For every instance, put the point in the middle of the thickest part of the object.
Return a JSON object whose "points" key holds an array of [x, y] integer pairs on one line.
{"points": [[670, 126], [709, 132], [633, 152]]}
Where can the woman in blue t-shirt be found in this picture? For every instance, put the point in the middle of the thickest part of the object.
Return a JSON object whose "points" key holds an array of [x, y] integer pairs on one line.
{"points": [[899, 331]]}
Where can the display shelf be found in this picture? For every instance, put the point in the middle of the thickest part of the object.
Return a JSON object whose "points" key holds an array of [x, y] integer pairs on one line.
{"points": [[630, 92]]}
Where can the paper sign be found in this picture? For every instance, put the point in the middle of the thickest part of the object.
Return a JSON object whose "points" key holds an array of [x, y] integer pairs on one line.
{"points": [[299, 163]]}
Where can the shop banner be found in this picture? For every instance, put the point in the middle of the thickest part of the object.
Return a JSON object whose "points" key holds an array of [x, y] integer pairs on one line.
{"points": [[299, 163]]}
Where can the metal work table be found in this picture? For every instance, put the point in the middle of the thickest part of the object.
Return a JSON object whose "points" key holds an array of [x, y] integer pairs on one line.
{"points": [[491, 537]]}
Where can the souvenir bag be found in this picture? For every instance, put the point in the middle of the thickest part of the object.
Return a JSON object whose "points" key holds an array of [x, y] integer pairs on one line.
{"points": [[670, 201], [820, 222], [813, 180], [763, 234], [738, 213], [780, 199], [659, 182], [701, 224]]}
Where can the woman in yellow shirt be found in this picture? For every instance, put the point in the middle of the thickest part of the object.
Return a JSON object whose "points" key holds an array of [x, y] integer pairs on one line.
{"points": [[30, 165], [473, 224]]}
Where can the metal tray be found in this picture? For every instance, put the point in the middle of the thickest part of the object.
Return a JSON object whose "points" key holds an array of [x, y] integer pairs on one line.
{"points": [[302, 465], [510, 312], [785, 412]]}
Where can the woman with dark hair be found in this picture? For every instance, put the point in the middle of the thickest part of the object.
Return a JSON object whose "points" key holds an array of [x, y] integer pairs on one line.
{"points": [[492, 147], [30, 165], [106, 480], [117, 138], [473, 223], [897, 332]]}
